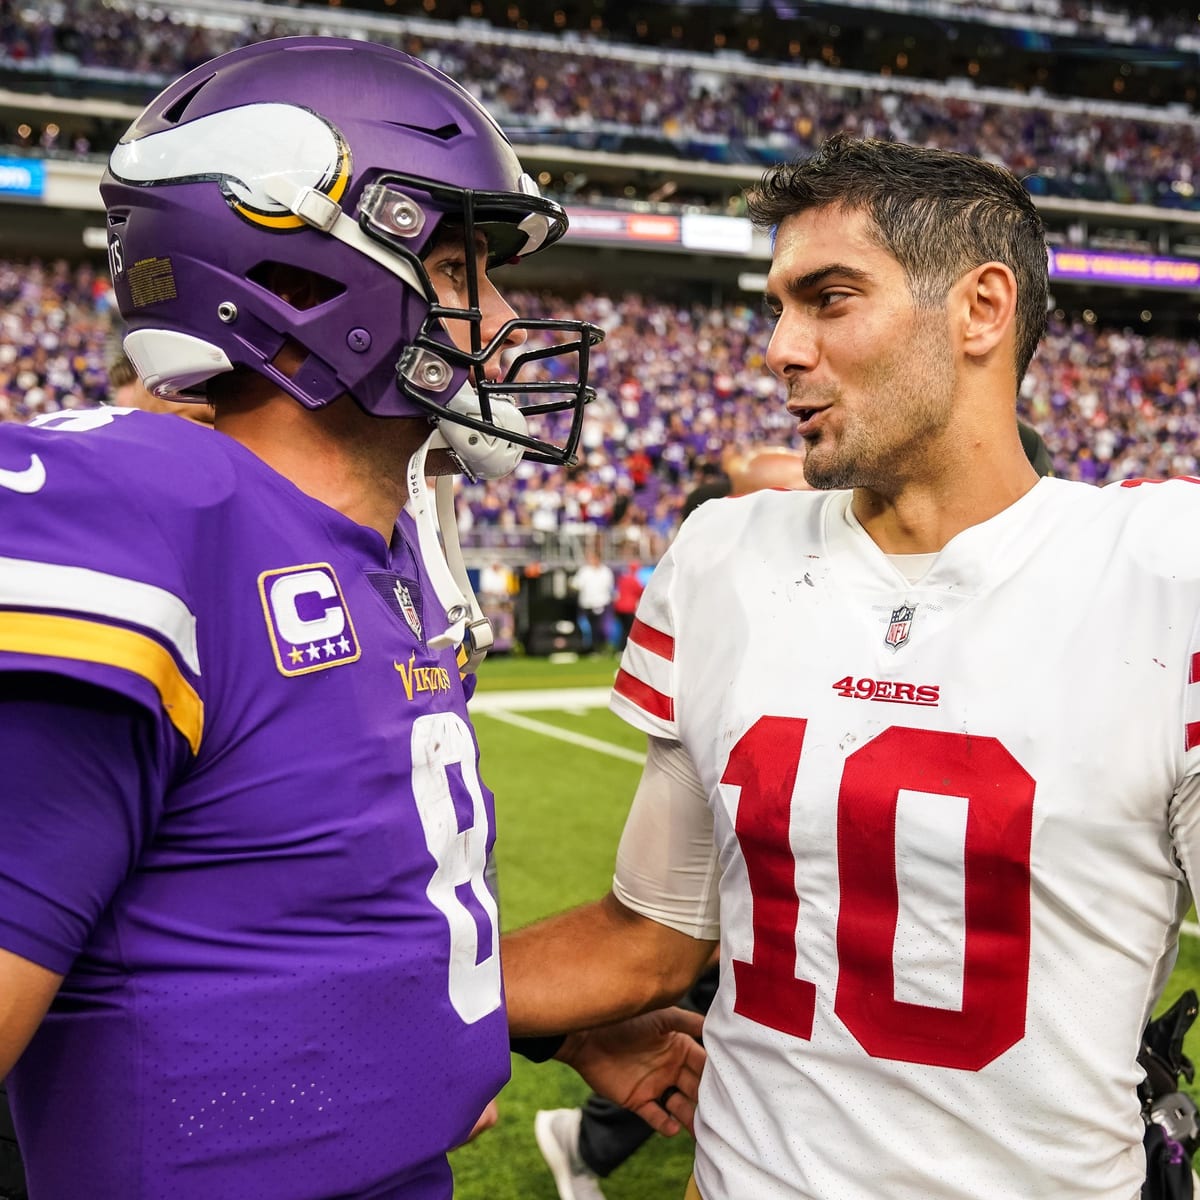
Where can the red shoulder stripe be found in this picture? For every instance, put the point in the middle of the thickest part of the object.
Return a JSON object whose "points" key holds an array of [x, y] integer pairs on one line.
{"points": [[644, 696], [653, 640]]}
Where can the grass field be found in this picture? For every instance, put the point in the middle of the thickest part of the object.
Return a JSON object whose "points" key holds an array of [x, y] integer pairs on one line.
{"points": [[560, 811], [509, 671]]}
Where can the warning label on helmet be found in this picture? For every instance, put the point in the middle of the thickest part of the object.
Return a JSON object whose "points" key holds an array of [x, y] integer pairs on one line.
{"points": [[151, 281]]}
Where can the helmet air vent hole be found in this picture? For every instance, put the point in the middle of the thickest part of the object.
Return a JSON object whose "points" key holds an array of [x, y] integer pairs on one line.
{"points": [[295, 286], [443, 133], [174, 114]]}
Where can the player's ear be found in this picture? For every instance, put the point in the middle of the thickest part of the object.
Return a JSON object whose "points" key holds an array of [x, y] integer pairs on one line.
{"points": [[986, 301]]}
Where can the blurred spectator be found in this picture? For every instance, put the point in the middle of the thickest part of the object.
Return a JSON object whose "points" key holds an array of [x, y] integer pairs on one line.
{"points": [[54, 329], [497, 592], [594, 585], [714, 483], [777, 467], [629, 589]]}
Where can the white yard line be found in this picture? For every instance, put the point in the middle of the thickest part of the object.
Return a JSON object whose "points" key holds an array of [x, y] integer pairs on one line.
{"points": [[565, 735]]}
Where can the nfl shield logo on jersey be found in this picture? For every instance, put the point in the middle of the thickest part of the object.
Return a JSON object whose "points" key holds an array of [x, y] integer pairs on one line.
{"points": [[402, 597], [407, 608], [900, 626]]}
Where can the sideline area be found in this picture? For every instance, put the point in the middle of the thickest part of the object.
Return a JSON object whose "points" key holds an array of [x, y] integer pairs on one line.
{"points": [[507, 707]]}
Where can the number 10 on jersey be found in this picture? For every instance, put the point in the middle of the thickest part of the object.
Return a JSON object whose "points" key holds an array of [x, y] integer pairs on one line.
{"points": [[999, 822]]}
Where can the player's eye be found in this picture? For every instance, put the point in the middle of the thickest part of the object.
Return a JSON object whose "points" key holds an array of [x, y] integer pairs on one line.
{"points": [[451, 270]]}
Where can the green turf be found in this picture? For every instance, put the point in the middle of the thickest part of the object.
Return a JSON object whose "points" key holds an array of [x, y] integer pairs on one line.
{"points": [[501, 672], [560, 812], [595, 723]]}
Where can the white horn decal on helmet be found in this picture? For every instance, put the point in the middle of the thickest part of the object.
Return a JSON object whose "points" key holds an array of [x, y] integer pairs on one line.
{"points": [[258, 154]]}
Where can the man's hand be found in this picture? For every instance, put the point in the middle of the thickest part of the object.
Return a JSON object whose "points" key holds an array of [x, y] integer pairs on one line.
{"points": [[636, 1062]]}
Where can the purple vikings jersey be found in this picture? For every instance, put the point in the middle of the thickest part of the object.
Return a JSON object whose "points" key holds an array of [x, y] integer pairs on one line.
{"points": [[282, 969]]}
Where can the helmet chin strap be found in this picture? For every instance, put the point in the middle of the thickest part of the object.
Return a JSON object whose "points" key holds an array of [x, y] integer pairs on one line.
{"points": [[441, 553]]}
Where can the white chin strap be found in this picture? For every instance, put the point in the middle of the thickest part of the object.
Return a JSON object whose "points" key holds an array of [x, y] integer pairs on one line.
{"points": [[458, 609]]}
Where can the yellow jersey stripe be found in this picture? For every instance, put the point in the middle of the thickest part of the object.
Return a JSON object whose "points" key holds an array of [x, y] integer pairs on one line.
{"points": [[86, 641], [28, 584]]}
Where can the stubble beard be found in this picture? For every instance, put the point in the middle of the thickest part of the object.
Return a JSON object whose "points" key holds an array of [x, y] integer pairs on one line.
{"points": [[909, 399]]}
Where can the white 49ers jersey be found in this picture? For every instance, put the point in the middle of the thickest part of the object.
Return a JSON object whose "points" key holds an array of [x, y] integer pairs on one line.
{"points": [[954, 820]]}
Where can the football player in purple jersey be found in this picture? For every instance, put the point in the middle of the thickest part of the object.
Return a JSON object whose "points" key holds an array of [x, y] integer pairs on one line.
{"points": [[246, 943]]}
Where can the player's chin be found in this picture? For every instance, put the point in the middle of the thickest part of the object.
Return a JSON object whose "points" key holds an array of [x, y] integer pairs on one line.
{"points": [[825, 471]]}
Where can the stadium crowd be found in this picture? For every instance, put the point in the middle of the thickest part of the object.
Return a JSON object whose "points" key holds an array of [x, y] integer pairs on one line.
{"points": [[55, 338], [675, 385], [597, 95]]}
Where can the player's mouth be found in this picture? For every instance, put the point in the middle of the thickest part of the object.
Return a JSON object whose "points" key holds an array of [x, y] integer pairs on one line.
{"points": [[806, 416]]}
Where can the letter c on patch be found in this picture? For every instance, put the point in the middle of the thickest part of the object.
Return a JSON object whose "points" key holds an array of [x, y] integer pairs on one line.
{"points": [[287, 597]]}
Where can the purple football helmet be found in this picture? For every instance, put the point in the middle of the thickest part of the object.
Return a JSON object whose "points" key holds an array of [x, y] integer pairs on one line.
{"points": [[343, 160]]}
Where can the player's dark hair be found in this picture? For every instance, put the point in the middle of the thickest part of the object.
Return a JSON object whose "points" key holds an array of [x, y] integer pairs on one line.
{"points": [[938, 213]]}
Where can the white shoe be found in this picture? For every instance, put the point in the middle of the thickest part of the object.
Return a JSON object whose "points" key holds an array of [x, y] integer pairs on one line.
{"points": [[557, 1133]]}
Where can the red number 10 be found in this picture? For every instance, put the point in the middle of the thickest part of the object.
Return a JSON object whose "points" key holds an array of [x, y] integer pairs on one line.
{"points": [[999, 796]]}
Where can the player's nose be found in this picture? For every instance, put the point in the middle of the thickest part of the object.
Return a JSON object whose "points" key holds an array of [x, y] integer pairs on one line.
{"points": [[793, 347], [496, 312]]}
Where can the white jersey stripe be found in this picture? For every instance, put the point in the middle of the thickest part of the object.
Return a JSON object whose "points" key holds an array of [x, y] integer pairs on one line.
{"points": [[649, 668], [79, 590]]}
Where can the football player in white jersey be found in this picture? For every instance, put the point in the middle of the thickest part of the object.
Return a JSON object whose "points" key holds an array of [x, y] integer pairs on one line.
{"points": [[923, 743]]}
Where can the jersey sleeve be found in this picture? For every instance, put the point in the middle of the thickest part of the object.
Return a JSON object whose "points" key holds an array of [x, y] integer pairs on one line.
{"points": [[667, 864], [93, 585], [82, 794], [1184, 816], [644, 691]]}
